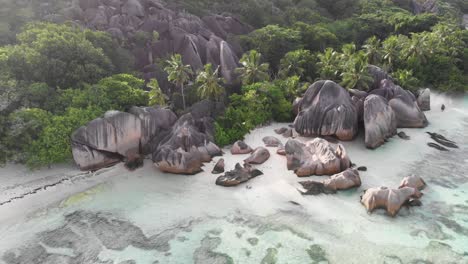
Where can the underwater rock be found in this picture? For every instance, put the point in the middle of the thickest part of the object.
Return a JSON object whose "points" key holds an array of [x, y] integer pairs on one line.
{"points": [[389, 199], [271, 141], [437, 146], [442, 140], [327, 110], [219, 167], [413, 181], [442, 107], [259, 156], [240, 148], [238, 175], [379, 121], [316, 157]]}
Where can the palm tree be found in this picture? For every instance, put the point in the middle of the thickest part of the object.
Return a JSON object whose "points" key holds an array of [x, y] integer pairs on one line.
{"points": [[356, 74], [209, 82], [417, 48], [391, 50], [328, 64], [179, 74], [372, 48], [252, 69], [157, 97]]}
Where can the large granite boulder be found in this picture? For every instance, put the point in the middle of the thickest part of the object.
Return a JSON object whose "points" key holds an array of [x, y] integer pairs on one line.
{"points": [[424, 99], [120, 136], [403, 103], [117, 132], [238, 175], [327, 110], [185, 148], [378, 74], [88, 159], [389, 199], [316, 157], [154, 123], [379, 121]]}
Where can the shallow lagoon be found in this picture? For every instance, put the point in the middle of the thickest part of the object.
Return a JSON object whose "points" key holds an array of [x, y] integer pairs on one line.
{"points": [[116, 216]]}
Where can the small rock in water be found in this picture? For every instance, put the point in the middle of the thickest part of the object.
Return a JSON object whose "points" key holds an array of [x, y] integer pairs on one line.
{"points": [[389, 199], [403, 135], [437, 146], [362, 168], [280, 131], [315, 188], [219, 167], [295, 203], [442, 107]]}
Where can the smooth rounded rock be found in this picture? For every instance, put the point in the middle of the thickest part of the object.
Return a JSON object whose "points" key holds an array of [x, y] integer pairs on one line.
{"points": [[379, 121]]}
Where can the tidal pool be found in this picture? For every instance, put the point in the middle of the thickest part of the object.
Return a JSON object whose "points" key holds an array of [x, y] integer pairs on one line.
{"points": [[117, 216]]}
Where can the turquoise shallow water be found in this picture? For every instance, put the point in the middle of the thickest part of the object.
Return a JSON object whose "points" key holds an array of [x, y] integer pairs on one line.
{"points": [[150, 217]]}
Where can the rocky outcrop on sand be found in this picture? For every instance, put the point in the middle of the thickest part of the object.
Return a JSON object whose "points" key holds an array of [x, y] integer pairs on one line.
{"points": [[403, 102], [316, 157], [258, 156], [389, 199], [345, 180], [327, 110], [379, 121], [177, 145], [119, 135], [186, 147], [240, 148], [219, 167], [238, 175]]}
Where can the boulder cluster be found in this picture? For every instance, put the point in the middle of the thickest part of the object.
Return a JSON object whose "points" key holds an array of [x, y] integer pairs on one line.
{"points": [[177, 145], [392, 200], [327, 109], [200, 40]]}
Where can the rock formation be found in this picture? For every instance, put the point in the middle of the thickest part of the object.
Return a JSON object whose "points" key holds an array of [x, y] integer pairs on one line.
{"points": [[326, 110], [240, 148], [342, 181], [238, 175], [413, 181], [442, 140], [259, 156], [424, 99], [199, 40], [186, 147], [403, 103], [316, 157], [219, 167], [389, 199], [379, 121], [118, 136]]}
